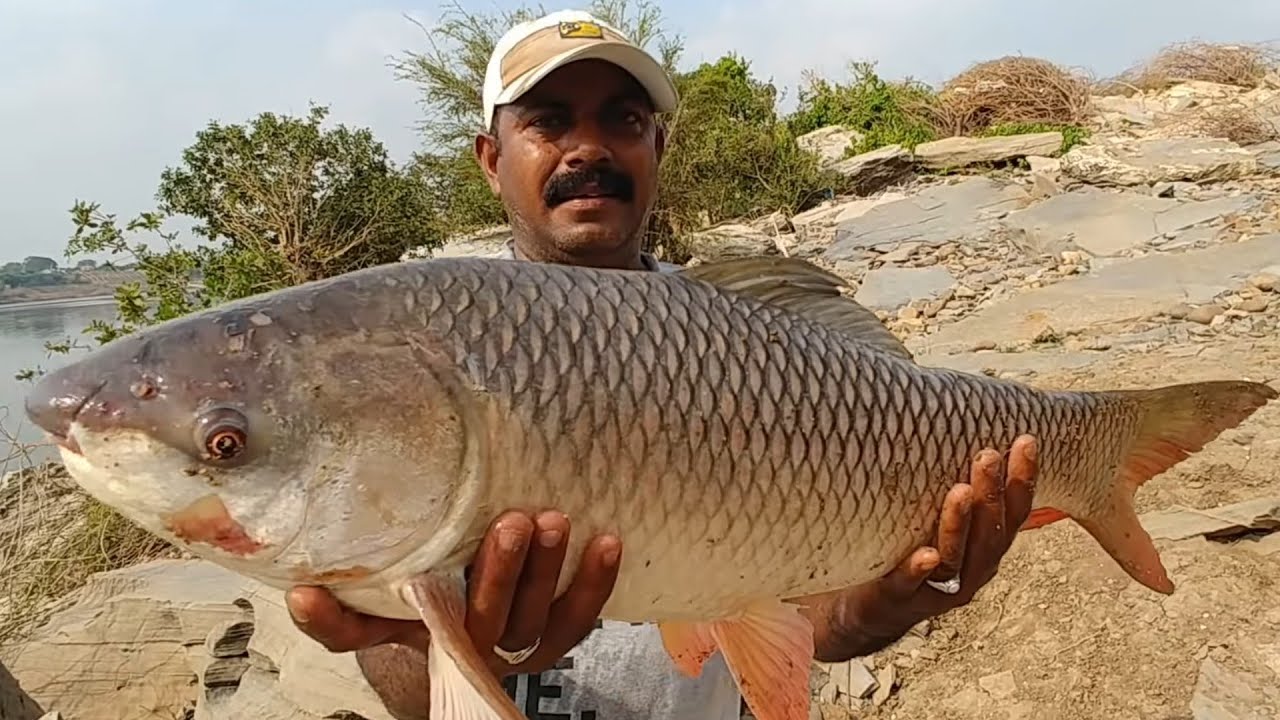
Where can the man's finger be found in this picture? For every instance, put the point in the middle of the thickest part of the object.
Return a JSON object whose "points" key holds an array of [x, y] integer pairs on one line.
{"points": [[953, 531], [574, 614], [528, 618], [905, 580], [494, 577], [318, 614], [1024, 465], [987, 536]]}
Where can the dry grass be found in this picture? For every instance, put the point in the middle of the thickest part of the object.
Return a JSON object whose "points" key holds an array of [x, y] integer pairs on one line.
{"points": [[1237, 124], [53, 537], [1010, 90], [1241, 65]]}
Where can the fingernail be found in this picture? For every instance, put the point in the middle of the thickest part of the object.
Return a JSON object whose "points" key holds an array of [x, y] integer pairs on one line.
{"points": [[1033, 448], [299, 614], [549, 538], [508, 539], [611, 553]]}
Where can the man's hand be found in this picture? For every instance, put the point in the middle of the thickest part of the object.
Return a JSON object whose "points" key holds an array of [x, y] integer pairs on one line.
{"points": [[509, 598], [978, 524]]}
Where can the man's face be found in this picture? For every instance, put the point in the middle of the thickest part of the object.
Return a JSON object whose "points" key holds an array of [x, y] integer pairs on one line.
{"points": [[576, 162]]}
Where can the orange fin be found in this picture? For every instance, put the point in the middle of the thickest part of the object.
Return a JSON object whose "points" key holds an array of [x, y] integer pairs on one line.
{"points": [[462, 688], [1041, 517], [1176, 421], [768, 648], [690, 645]]}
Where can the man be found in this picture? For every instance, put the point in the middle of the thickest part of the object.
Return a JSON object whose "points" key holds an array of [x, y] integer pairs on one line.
{"points": [[572, 149]]}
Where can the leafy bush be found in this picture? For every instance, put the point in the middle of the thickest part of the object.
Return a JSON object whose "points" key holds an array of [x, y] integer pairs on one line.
{"points": [[1072, 135], [729, 155], [277, 202], [884, 113]]}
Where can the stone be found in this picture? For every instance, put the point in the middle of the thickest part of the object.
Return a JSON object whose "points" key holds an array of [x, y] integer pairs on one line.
{"points": [[956, 152], [937, 215], [1153, 160], [164, 636], [1119, 294], [1043, 186], [1255, 304], [829, 143], [1268, 155], [1041, 165], [1187, 214], [854, 679], [885, 680], [873, 171], [1205, 314], [1101, 223], [816, 226], [1179, 523], [1000, 686], [729, 241], [15, 703], [1226, 694], [891, 288], [1265, 281]]}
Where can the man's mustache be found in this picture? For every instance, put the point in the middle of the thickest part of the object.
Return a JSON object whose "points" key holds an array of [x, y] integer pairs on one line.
{"points": [[572, 183]]}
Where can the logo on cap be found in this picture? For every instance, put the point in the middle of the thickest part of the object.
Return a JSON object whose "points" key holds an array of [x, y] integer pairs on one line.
{"points": [[581, 29]]}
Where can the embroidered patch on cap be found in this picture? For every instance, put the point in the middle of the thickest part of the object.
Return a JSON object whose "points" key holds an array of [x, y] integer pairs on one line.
{"points": [[580, 29]]}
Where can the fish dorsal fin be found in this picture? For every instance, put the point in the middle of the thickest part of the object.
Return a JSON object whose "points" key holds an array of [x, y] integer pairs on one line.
{"points": [[805, 289]]}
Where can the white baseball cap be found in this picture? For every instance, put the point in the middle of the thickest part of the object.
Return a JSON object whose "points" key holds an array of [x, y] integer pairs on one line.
{"points": [[530, 51]]}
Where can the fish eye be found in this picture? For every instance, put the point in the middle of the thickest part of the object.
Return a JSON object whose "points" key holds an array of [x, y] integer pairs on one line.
{"points": [[222, 434]]}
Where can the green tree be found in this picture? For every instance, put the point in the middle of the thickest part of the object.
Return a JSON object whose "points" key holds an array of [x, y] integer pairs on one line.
{"points": [[275, 202]]}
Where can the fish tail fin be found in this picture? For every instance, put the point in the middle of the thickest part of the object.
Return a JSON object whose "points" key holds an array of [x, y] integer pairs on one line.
{"points": [[462, 688], [1175, 422], [768, 648]]}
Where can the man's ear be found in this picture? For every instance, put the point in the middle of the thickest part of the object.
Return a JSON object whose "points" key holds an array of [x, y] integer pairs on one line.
{"points": [[487, 155], [660, 140]]}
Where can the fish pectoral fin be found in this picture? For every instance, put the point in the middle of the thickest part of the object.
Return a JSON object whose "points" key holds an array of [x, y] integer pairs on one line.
{"points": [[1041, 517], [803, 288], [769, 651], [462, 688], [690, 645]]}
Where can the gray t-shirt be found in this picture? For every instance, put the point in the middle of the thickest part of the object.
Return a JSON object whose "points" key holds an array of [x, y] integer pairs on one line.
{"points": [[622, 671]]}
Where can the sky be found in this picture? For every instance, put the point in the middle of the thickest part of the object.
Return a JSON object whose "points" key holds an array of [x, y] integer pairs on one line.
{"points": [[98, 97]]}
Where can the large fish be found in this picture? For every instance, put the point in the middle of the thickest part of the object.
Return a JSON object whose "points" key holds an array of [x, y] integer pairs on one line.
{"points": [[751, 434]]}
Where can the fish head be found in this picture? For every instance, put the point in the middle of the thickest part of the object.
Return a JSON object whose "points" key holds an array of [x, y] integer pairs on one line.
{"points": [[288, 458]]}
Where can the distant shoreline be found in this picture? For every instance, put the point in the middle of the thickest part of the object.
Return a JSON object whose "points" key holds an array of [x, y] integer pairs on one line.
{"points": [[76, 291]]}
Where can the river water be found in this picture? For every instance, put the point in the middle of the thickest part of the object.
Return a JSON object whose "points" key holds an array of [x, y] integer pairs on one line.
{"points": [[24, 329]]}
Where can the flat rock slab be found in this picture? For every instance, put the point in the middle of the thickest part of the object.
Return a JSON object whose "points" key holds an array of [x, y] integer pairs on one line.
{"points": [[1012, 364], [954, 152], [1268, 154], [891, 288], [1152, 160], [874, 171], [1181, 523], [937, 215], [829, 143], [1106, 223], [1122, 292], [1225, 693]]}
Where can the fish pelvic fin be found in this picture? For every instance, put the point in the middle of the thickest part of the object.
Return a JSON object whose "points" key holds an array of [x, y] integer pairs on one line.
{"points": [[768, 648], [1176, 421], [462, 687], [801, 287]]}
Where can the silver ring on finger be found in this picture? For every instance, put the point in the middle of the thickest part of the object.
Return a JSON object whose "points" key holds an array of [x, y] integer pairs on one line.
{"points": [[519, 656], [950, 586]]}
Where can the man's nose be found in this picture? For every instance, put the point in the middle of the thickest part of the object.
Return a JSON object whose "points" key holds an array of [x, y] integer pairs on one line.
{"points": [[586, 146], [59, 396]]}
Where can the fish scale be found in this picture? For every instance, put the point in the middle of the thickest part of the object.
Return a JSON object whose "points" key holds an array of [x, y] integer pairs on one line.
{"points": [[748, 431]]}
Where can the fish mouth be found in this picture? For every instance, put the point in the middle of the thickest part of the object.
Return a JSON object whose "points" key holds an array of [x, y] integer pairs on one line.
{"points": [[59, 425]]}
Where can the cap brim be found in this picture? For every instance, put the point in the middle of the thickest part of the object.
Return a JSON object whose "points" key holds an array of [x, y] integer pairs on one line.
{"points": [[651, 76]]}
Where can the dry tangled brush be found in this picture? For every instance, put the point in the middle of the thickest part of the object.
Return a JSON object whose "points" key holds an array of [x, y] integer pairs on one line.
{"points": [[1242, 65], [1242, 126], [1008, 90]]}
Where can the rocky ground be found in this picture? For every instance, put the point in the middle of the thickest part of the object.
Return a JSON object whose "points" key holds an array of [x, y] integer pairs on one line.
{"points": [[1150, 255]]}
